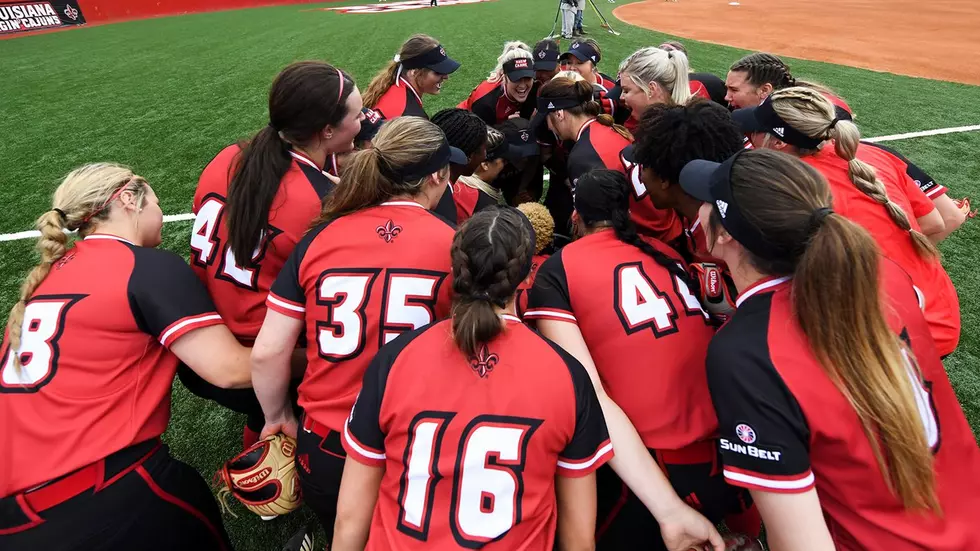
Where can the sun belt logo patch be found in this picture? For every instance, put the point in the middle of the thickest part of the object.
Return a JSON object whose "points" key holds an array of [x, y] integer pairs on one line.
{"points": [[722, 207], [780, 131], [745, 433]]}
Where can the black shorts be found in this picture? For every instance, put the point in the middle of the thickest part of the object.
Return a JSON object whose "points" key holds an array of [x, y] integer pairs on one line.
{"points": [[158, 503], [241, 400], [624, 522], [320, 459]]}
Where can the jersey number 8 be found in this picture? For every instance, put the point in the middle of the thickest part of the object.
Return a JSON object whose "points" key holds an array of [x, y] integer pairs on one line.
{"points": [[44, 322]]}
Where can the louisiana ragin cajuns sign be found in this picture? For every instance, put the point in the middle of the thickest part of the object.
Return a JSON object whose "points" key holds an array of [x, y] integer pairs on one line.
{"points": [[389, 7], [18, 17]]}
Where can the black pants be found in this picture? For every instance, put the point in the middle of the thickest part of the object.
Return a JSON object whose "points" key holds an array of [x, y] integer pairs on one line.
{"points": [[624, 522], [163, 504], [320, 464], [241, 400], [434, 3]]}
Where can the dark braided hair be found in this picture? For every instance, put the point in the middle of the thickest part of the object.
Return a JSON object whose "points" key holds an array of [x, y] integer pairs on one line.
{"points": [[608, 194], [670, 136], [762, 68], [463, 129], [491, 255]]}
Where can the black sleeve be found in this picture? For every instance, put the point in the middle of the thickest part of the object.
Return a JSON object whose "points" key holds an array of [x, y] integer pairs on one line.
{"points": [[321, 184], [549, 297], [364, 439], [714, 85], [483, 201], [446, 209], [922, 179], [763, 435], [486, 109], [165, 296], [287, 295], [582, 159]]}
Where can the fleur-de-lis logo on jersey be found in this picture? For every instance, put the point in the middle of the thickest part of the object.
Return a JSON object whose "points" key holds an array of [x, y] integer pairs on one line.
{"points": [[484, 362], [71, 12], [389, 231]]}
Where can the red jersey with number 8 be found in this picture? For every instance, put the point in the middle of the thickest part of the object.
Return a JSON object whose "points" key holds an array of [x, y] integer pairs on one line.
{"points": [[239, 290], [359, 281]]}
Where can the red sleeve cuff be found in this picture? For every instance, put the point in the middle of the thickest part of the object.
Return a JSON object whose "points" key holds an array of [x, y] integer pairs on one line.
{"points": [[187, 324], [936, 191], [554, 314], [575, 468], [285, 307], [361, 453], [791, 484]]}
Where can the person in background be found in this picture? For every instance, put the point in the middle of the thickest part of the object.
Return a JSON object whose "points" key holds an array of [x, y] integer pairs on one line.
{"points": [[468, 133], [544, 240], [579, 18], [255, 200], [508, 91], [86, 371], [568, 9], [474, 432], [420, 67], [546, 54], [855, 438]]}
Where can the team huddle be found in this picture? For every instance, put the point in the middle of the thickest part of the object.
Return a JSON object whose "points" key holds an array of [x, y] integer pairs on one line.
{"points": [[574, 312]]}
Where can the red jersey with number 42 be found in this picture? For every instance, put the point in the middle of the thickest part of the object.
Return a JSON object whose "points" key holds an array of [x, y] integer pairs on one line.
{"points": [[471, 445], [96, 373], [359, 281], [785, 427], [645, 330], [238, 290]]}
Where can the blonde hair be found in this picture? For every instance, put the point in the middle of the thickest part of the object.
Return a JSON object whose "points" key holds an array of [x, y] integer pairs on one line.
{"points": [[415, 46], [571, 75], [512, 50], [80, 202], [366, 180], [542, 222], [809, 112], [668, 69]]}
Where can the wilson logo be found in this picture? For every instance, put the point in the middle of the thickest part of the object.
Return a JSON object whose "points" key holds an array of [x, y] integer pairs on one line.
{"points": [[714, 283], [255, 479], [288, 448]]}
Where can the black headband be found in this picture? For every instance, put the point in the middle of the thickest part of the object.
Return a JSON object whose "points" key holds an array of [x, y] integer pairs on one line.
{"points": [[439, 158]]}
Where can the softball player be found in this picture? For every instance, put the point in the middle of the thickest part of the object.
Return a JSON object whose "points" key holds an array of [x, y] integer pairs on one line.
{"points": [[509, 90], [583, 57], [255, 201], [546, 53], [474, 432], [468, 133], [375, 264], [705, 85], [651, 76], [870, 186], [848, 434], [420, 67], [86, 369], [611, 299]]}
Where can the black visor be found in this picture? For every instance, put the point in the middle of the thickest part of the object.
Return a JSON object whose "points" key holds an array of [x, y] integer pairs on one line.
{"points": [[435, 59], [765, 119], [441, 157], [550, 105], [583, 51]]}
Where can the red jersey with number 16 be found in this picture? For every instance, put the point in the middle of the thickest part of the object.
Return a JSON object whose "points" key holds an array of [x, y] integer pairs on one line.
{"points": [[96, 370], [471, 445], [359, 281], [239, 290]]}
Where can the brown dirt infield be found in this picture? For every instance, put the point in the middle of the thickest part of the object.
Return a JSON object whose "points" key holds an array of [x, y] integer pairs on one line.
{"points": [[938, 39]]}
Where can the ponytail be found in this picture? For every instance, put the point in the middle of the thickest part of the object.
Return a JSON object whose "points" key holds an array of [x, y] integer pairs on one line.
{"points": [[585, 93], [380, 84], [667, 68], [607, 120], [837, 278], [625, 230], [490, 257], [681, 89]]}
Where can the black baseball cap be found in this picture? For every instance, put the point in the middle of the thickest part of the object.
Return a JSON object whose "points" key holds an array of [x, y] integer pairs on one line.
{"points": [[583, 51], [370, 125], [519, 68], [518, 142], [615, 92], [546, 59], [711, 182], [434, 59], [765, 119], [550, 104]]}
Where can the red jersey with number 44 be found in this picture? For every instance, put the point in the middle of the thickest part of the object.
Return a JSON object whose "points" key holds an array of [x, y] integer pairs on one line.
{"points": [[239, 290], [645, 330], [942, 306], [785, 427], [471, 445], [96, 373], [359, 281]]}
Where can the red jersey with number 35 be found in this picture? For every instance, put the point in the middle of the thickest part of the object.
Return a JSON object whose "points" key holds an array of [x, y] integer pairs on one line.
{"points": [[96, 371], [239, 290], [359, 281], [471, 445], [645, 330]]}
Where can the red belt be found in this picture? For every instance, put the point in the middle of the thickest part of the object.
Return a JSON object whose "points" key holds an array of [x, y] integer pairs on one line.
{"points": [[319, 429], [92, 476], [697, 453]]}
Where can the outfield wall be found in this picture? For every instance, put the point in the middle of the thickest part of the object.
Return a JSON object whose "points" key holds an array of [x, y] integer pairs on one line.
{"points": [[106, 11]]}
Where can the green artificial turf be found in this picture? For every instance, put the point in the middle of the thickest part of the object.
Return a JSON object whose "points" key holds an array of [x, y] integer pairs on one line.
{"points": [[164, 95]]}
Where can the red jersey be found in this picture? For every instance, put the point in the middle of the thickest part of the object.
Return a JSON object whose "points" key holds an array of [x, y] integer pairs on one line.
{"points": [[602, 86], [359, 281], [471, 445], [489, 101], [808, 435], [660, 224], [645, 330], [942, 306], [96, 373], [239, 291], [525, 286], [469, 201], [401, 99]]}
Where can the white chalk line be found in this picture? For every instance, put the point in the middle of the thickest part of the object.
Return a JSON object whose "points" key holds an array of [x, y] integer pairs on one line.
{"points": [[32, 234]]}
